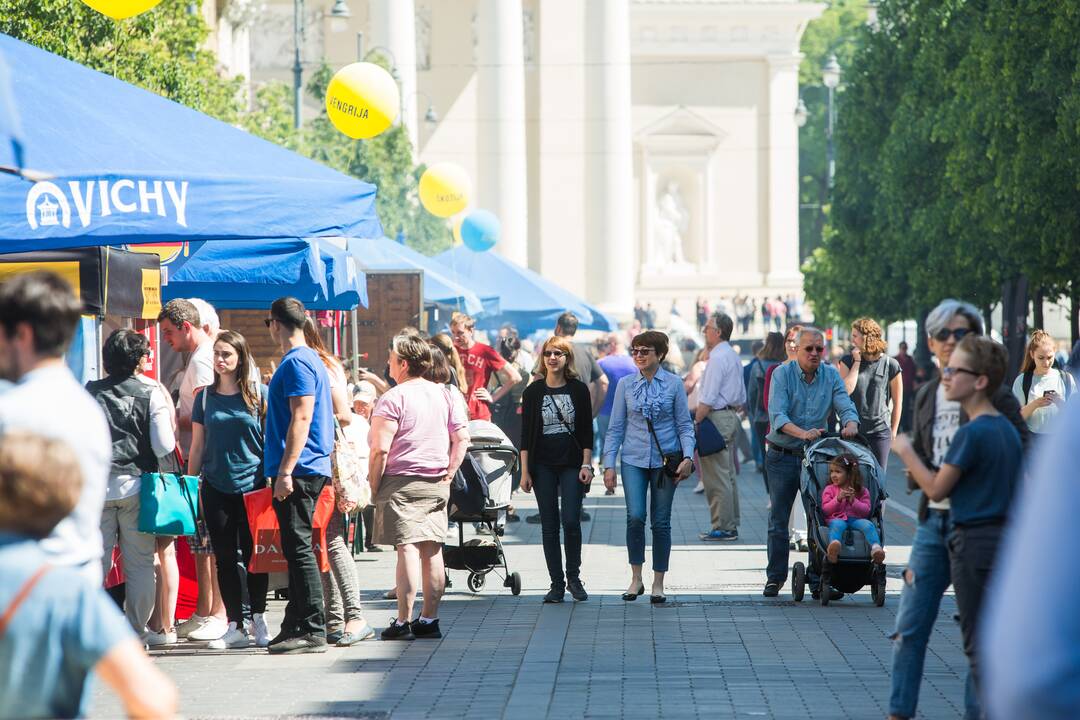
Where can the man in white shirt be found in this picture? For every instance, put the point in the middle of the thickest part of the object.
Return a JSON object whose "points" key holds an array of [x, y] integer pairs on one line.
{"points": [[183, 329], [720, 395], [38, 316]]}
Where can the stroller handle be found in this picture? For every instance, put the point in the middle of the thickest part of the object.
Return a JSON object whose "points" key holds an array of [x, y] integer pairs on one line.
{"points": [[859, 438]]}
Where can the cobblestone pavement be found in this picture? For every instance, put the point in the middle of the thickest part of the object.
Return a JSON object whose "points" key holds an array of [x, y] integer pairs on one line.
{"points": [[717, 649]]}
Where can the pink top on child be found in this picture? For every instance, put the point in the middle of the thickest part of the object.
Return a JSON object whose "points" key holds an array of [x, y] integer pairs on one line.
{"points": [[426, 416], [845, 509]]}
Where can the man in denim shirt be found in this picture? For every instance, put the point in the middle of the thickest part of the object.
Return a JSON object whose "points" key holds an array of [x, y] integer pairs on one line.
{"points": [[801, 396]]}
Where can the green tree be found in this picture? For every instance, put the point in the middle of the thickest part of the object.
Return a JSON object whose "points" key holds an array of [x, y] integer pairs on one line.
{"points": [[837, 32], [161, 50]]}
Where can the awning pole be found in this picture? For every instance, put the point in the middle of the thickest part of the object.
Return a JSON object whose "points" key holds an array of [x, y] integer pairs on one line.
{"points": [[356, 345]]}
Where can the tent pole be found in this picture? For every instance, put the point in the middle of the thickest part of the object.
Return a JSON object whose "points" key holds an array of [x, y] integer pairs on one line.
{"points": [[356, 345]]}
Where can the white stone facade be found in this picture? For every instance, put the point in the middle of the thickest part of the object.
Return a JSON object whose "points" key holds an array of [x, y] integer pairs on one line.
{"points": [[633, 149]]}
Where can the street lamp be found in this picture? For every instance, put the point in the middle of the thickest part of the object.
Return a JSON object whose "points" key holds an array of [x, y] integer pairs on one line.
{"points": [[340, 10], [830, 75]]}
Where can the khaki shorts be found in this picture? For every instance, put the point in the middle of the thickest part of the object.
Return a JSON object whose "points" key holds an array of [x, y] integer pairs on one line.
{"points": [[410, 510]]}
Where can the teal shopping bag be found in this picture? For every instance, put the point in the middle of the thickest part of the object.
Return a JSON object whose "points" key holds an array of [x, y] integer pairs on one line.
{"points": [[167, 504]]}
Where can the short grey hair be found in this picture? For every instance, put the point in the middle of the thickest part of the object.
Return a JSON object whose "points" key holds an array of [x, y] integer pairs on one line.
{"points": [[724, 324], [808, 330], [946, 310]]}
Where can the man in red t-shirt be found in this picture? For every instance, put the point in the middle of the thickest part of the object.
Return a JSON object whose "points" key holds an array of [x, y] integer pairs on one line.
{"points": [[480, 362]]}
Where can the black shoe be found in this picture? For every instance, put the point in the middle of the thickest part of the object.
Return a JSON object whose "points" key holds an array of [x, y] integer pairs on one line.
{"points": [[772, 589], [627, 596], [555, 594], [577, 590], [585, 517], [309, 643], [285, 634], [513, 518], [372, 548], [834, 594], [425, 630], [333, 637], [658, 599], [398, 632], [533, 519]]}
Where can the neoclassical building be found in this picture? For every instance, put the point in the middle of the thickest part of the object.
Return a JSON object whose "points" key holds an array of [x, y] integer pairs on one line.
{"points": [[633, 149]]}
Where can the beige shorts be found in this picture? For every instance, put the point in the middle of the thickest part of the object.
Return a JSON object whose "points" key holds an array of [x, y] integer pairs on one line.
{"points": [[410, 510]]}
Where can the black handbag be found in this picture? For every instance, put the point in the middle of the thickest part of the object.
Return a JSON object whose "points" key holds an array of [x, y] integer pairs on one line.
{"points": [[672, 461]]}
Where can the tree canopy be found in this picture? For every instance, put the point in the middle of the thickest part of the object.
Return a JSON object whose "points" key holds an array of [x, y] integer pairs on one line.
{"points": [[957, 162]]}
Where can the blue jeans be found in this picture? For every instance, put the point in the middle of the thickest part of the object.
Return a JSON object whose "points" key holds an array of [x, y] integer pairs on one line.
{"points": [[551, 482], [637, 484], [925, 581], [600, 425], [837, 528], [783, 473]]}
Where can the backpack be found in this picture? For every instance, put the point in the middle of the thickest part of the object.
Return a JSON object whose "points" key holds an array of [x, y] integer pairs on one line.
{"points": [[1029, 378]]}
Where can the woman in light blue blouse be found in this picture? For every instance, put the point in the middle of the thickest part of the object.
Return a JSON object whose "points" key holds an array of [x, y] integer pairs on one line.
{"points": [[652, 426]]}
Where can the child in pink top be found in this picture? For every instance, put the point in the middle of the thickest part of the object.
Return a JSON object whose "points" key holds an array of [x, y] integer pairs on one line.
{"points": [[846, 503]]}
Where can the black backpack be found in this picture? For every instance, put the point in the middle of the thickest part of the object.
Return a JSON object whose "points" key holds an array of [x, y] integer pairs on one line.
{"points": [[1029, 378]]}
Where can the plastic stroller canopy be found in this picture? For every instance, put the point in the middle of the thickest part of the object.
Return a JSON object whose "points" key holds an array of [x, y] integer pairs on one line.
{"points": [[439, 288], [252, 274], [126, 166], [526, 299]]}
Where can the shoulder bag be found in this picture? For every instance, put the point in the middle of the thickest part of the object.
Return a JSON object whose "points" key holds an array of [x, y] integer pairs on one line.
{"points": [[168, 502], [573, 436], [351, 488], [671, 460]]}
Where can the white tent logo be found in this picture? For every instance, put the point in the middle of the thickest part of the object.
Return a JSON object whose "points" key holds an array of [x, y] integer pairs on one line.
{"points": [[47, 205], [42, 203]]}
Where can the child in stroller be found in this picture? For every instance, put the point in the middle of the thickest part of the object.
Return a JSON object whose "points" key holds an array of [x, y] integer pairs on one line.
{"points": [[846, 503]]}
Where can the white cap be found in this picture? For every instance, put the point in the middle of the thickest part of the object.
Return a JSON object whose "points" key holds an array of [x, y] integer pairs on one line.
{"points": [[208, 317], [364, 391]]}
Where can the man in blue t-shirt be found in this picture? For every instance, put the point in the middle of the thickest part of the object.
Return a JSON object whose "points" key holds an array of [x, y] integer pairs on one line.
{"points": [[616, 365], [299, 440]]}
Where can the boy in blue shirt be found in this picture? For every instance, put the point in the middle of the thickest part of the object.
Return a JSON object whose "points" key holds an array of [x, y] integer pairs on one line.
{"points": [[979, 476], [56, 626]]}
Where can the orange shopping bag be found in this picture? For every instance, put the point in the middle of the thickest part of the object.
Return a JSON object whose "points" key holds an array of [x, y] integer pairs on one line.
{"points": [[267, 555]]}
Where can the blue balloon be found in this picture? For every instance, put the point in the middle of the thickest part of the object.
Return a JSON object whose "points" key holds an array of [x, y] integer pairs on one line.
{"points": [[480, 230]]}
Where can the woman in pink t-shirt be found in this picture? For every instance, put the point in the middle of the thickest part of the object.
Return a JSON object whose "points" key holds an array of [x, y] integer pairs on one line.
{"points": [[418, 440]]}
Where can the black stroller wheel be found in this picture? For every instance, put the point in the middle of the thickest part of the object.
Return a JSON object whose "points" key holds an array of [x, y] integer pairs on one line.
{"points": [[798, 582], [476, 582], [824, 590], [515, 583], [877, 590]]}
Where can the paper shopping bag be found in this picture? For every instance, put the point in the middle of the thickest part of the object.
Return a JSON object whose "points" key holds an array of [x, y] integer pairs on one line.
{"points": [[267, 555]]}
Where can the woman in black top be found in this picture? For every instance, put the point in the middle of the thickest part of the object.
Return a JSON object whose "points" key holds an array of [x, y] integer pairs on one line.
{"points": [[872, 379], [556, 459]]}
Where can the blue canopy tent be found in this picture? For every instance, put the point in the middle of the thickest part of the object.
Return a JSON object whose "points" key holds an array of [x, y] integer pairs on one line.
{"points": [[526, 299], [439, 288], [253, 273], [126, 166]]}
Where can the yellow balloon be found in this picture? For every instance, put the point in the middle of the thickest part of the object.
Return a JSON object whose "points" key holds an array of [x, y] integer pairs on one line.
{"points": [[362, 100], [122, 9], [445, 189], [457, 231]]}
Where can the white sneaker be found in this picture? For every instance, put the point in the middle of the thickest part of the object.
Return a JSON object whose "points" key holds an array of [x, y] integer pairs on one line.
{"points": [[259, 630], [232, 639], [700, 487], [190, 625], [157, 639], [212, 629]]}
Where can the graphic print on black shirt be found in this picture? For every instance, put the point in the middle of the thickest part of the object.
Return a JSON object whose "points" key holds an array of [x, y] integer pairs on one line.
{"points": [[556, 444]]}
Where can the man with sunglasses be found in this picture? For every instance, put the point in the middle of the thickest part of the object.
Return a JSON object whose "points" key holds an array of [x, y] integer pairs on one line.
{"points": [[935, 421], [802, 394]]}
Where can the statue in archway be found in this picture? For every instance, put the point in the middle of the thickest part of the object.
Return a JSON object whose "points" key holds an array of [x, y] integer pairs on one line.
{"points": [[671, 223]]}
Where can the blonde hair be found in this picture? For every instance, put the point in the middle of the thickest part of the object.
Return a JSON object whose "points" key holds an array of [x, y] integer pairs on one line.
{"points": [[460, 318], [988, 358], [564, 346], [873, 338], [40, 482], [1039, 337]]}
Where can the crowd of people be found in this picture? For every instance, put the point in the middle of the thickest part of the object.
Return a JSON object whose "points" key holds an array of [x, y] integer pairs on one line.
{"points": [[73, 461]]}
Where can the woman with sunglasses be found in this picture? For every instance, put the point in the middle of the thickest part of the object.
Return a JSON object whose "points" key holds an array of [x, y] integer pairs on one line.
{"points": [[935, 421], [556, 459], [651, 424], [872, 379]]}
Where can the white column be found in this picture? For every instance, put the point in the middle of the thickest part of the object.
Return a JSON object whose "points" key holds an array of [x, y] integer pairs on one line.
{"points": [[610, 255], [502, 182], [393, 26], [783, 164]]}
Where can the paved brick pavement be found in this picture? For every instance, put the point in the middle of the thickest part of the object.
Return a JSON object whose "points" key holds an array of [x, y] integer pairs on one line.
{"points": [[716, 650]]}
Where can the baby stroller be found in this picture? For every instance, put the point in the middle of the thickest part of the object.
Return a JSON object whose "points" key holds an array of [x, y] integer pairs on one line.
{"points": [[496, 457], [854, 568]]}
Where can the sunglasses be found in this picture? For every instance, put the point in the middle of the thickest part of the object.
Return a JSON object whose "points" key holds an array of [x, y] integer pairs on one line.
{"points": [[950, 371], [553, 353], [946, 333], [267, 321], [814, 348], [640, 351]]}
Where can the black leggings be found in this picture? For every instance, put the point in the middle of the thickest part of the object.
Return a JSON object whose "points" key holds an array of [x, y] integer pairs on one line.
{"points": [[227, 522]]}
